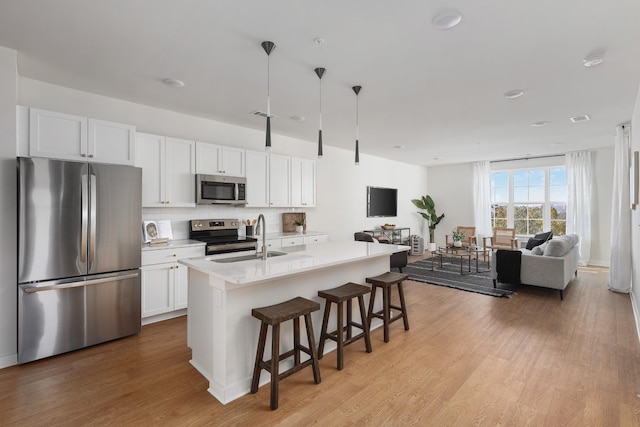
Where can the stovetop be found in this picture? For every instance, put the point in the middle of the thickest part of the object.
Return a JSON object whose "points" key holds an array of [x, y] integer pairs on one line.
{"points": [[221, 235]]}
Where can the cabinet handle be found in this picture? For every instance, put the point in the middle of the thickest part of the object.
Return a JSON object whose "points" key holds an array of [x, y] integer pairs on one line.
{"points": [[175, 255], [167, 202], [177, 267], [83, 155], [91, 156], [171, 268]]}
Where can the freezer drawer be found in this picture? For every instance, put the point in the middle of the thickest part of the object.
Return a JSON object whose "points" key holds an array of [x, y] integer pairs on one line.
{"points": [[60, 316]]}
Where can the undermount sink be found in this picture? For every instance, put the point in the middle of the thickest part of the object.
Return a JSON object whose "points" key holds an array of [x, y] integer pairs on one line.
{"points": [[248, 257]]}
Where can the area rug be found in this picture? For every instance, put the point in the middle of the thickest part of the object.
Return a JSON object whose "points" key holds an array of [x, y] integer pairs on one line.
{"points": [[449, 276]]}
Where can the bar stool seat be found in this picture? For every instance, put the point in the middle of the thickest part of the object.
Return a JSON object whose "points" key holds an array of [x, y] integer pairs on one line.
{"points": [[340, 295], [273, 316], [385, 281]]}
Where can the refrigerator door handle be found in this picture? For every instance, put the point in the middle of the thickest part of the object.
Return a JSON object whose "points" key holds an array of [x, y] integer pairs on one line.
{"points": [[85, 218], [33, 289], [92, 236]]}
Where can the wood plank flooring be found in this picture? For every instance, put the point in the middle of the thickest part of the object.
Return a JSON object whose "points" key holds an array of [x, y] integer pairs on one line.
{"points": [[468, 359]]}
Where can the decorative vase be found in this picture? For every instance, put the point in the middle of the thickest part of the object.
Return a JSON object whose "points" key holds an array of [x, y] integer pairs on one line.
{"points": [[299, 228], [457, 243]]}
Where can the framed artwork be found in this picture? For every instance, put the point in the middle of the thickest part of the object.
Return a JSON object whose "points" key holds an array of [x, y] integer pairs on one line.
{"points": [[634, 172]]}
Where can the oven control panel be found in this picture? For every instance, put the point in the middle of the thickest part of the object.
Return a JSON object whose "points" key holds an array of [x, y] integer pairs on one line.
{"points": [[214, 224]]}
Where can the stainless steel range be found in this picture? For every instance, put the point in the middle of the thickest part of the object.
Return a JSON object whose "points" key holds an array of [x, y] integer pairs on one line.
{"points": [[221, 236]]}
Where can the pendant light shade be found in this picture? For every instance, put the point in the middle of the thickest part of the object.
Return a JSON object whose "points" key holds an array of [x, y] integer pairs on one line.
{"points": [[268, 48], [320, 72], [356, 89]]}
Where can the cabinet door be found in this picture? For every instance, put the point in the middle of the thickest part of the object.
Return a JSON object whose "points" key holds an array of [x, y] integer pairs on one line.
{"points": [[309, 240], [207, 158], [157, 289], [292, 241], [257, 179], [232, 161], [150, 156], [181, 286], [180, 169], [57, 135], [279, 180], [296, 182], [308, 183], [110, 142]]}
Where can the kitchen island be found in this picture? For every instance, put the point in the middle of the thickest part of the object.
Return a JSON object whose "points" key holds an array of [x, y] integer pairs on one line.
{"points": [[221, 332]]}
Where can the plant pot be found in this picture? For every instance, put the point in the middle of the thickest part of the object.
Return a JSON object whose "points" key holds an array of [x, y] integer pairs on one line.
{"points": [[299, 228], [457, 243], [432, 247]]}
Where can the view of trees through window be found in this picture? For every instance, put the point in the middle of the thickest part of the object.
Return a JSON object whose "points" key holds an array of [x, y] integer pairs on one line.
{"points": [[531, 200]]}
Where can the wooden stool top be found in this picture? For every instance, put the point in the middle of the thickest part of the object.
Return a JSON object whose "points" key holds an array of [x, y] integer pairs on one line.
{"points": [[387, 279], [344, 292], [284, 311]]}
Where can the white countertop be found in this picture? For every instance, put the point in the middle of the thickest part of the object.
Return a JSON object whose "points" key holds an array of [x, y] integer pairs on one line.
{"points": [[172, 244], [282, 234], [298, 259]]}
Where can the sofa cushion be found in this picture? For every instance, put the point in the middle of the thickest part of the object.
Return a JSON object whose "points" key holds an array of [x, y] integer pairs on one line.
{"points": [[539, 250], [559, 246]]}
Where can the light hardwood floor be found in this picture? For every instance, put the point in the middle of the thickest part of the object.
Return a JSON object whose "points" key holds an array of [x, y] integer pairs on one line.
{"points": [[468, 359]]}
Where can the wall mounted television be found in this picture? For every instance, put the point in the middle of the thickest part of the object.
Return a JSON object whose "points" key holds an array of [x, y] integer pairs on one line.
{"points": [[382, 202]]}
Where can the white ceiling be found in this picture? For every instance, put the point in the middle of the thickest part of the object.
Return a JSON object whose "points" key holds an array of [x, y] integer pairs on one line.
{"points": [[437, 93]]}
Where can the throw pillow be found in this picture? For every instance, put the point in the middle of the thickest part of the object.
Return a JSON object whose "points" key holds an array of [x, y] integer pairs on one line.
{"points": [[539, 250], [547, 235], [558, 247], [533, 242]]}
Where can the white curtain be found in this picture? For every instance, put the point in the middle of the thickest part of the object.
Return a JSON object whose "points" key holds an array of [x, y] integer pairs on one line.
{"points": [[579, 187], [482, 199], [620, 263]]}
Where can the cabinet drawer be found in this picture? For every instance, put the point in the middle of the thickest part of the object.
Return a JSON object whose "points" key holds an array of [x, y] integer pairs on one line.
{"points": [[158, 256], [315, 239], [292, 241]]}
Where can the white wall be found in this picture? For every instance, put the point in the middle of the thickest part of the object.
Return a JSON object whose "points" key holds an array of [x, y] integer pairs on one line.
{"points": [[451, 188], [635, 223], [341, 186], [8, 243]]}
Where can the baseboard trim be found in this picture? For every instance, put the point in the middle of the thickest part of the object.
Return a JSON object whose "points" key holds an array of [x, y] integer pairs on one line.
{"points": [[8, 360], [636, 314]]}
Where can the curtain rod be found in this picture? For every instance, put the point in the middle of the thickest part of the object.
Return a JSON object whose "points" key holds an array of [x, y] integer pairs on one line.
{"points": [[527, 158]]}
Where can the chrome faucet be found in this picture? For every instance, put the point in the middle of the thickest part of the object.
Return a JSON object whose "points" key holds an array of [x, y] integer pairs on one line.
{"points": [[263, 253]]}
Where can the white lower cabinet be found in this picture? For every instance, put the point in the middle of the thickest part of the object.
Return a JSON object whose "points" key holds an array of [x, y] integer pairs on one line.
{"points": [[309, 240], [292, 241], [285, 241], [165, 281]]}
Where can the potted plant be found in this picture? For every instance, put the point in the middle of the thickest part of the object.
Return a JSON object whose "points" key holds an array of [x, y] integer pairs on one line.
{"points": [[426, 203], [299, 226], [457, 237]]}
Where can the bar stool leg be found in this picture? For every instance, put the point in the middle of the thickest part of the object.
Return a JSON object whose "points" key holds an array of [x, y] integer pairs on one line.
{"points": [[296, 341], [405, 318], [372, 300], [259, 357], [340, 335], [275, 364], [312, 348], [365, 324], [386, 311], [323, 331], [349, 319]]}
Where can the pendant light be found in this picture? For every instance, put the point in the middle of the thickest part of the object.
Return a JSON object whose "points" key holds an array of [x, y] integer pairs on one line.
{"points": [[320, 72], [356, 89], [268, 48]]}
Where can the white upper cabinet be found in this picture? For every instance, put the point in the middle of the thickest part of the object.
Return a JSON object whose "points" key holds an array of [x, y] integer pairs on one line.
{"points": [[279, 180], [215, 159], [303, 182], [257, 178], [168, 170], [66, 136]]}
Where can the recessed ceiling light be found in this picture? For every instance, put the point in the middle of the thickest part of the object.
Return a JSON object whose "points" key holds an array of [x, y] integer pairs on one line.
{"points": [[298, 118], [540, 124], [437, 158], [582, 118], [512, 94], [399, 147], [592, 60], [446, 20], [262, 114], [173, 82], [557, 144]]}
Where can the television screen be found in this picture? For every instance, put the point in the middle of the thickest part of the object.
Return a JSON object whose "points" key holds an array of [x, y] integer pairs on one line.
{"points": [[382, 201]]}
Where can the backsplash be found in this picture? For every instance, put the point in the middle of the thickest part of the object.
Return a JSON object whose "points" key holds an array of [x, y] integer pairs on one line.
{"points": [[180, 217]]}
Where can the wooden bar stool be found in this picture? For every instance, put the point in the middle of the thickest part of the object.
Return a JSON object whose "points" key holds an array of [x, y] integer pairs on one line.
{"points": [[340, 295], [274, 315], [385, 282]]}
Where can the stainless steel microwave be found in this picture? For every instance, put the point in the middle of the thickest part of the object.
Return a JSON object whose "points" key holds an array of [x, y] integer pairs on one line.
{"points": [[221, 189]]}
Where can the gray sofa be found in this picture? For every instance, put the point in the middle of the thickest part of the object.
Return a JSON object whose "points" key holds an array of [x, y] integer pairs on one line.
{"points": [[550, 265]]}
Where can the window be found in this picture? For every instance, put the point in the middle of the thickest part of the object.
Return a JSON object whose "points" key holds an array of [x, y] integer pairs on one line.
{"points": [[530, 200]]}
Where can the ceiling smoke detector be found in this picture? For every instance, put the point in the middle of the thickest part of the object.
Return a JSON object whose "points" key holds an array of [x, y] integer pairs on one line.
{"points": [[593, 60], [173, 82], [579, 119], [512, 94], [446, 20]]}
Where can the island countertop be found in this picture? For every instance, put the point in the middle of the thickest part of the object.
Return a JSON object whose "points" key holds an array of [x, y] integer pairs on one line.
{"points": [[298, 259]]}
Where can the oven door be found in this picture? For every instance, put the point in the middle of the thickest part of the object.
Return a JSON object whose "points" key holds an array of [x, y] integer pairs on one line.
{"points": [[213, 189]]}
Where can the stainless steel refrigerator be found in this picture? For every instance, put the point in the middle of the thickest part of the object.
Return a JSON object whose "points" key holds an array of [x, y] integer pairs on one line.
{"points": [[79, 251]]}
